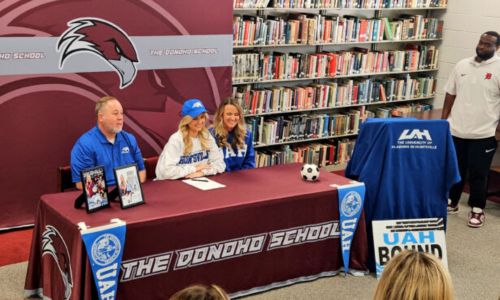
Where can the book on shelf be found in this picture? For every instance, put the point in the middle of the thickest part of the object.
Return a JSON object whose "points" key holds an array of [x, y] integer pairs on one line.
{"points": [[408, 109], [387, 29], [311, 121], [304, 29], [334, 94], [331, 151], [346, 4], [321, 154], [280, 129], [382, 112], [251, 67]]}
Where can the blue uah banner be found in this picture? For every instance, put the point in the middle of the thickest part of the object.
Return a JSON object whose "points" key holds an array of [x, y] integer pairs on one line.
{"points": [[104, 246], [351, 199]]}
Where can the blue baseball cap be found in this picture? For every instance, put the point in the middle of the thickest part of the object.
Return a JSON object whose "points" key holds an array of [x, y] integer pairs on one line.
{"points": [[192, 108]]}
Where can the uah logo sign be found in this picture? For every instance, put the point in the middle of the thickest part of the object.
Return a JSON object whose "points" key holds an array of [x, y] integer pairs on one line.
{"points": [[351, 204], [351, 198], [415, 134], [104, 39], [392, 236], [104, 245], [415, 139], [105, 249]]}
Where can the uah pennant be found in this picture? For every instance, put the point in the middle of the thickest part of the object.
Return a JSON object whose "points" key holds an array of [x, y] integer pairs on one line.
{"points": [[351, 199], [104, 246]]}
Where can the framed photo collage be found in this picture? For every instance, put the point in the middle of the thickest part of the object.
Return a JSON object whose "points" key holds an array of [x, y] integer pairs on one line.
{"points": [[95, 189]]}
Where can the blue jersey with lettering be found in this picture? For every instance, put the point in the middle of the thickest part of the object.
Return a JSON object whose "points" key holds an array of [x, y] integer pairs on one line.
{"points": [[407, 165], [93, 149], [236, 158]]}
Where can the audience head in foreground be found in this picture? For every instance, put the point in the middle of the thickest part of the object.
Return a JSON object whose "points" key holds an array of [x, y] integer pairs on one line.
{"points": [[413, 275], [201, 292]]}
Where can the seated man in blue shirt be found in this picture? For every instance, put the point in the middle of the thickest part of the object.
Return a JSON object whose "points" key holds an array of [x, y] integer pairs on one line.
{"points": [[106, 144]]}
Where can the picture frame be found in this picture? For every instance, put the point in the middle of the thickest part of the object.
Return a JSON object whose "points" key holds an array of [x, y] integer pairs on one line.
{"points": [[129, 186], [95, 188]]}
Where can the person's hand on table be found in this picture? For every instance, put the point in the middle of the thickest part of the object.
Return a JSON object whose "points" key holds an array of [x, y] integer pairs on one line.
{"points": [[195, 174], [201, 167]]}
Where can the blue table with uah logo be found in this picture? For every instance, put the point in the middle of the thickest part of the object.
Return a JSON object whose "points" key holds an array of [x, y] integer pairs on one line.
{"points": [[408, 167]]}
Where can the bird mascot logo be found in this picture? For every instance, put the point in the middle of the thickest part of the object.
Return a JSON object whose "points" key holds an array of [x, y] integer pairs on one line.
{"points": [[104, 39], [54, 245]]}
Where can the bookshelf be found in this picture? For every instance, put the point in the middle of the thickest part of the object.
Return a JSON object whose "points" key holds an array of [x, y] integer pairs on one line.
{"points": [[306, 110], [329, 44], [259, 80], [308, 72]]}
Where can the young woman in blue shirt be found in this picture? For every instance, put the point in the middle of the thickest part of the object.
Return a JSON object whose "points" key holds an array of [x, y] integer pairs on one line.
{"points": [[232, 137]]}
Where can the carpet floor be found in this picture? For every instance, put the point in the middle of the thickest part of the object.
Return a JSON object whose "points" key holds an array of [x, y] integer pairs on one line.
{"points": [[15, 246]]}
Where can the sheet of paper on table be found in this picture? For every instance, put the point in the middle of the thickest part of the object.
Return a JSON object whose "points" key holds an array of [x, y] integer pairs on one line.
{"points": [[203, 183]]}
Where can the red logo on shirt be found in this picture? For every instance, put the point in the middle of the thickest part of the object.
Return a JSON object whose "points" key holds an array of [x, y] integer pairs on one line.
{"points": [[487, 76]]}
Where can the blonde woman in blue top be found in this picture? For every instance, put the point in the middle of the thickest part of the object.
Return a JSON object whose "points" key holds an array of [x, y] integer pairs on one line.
{"points": [[232, 137]]}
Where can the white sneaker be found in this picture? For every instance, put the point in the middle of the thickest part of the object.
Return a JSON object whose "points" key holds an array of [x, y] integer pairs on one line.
{"points": [[476, 220]]}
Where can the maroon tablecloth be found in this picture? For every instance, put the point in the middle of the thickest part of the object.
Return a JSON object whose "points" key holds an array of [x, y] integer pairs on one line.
{"points": [[266, 227]]}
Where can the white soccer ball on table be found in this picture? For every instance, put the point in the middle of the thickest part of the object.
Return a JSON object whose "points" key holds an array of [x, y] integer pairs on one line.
{"points": [[309, 172]]}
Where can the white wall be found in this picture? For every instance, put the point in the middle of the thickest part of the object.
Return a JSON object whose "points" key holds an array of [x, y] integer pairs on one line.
{"points": [[464, 22]]}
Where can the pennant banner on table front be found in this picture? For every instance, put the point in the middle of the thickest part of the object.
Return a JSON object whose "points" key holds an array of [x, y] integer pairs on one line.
{"points": [[104, 246], [351, 200]]}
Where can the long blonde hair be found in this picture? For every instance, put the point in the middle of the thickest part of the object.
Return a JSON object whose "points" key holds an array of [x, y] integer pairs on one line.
{"points": [[203, 135], [221, 133], [413, 275]]}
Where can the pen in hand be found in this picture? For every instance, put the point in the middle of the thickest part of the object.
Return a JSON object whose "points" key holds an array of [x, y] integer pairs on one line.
{"points": [[199, 179]]}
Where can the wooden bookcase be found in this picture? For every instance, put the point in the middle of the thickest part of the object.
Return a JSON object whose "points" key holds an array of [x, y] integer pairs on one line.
{"points": [[264, 88]]}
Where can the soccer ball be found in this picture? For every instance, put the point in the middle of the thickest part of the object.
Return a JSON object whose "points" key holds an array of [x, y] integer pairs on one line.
{"points": [[309, 172]]}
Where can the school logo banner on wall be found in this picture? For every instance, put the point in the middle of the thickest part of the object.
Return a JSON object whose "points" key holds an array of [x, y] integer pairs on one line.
{"points": [[104, 246], [392, 236], [65, 55], [104, 39], [351, 199]]}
